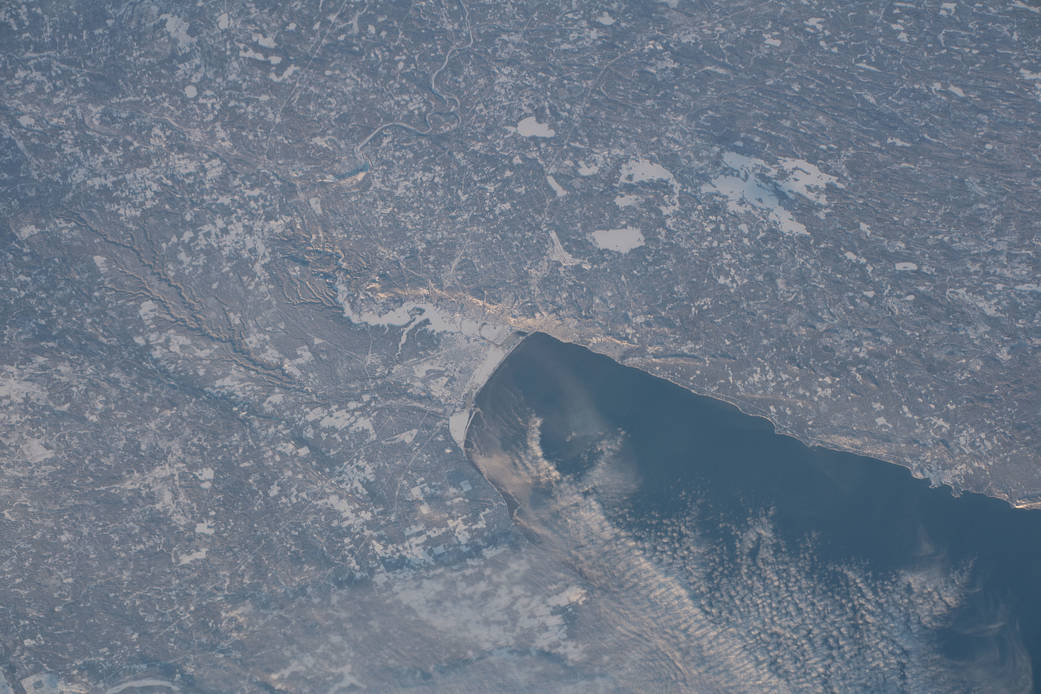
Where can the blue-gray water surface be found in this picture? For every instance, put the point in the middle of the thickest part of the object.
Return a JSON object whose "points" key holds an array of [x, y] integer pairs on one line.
{"points": [[818, 569]]}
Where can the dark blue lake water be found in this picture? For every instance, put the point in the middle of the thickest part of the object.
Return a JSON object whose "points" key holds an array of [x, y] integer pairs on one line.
{"points": [[826, 570]]}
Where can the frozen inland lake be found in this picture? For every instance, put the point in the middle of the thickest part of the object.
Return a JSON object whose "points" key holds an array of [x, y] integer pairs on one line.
{"points": [[730, 554]]}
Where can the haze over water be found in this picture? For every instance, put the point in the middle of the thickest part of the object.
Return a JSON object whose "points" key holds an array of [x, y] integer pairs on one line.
{"points": [[785, 566]]}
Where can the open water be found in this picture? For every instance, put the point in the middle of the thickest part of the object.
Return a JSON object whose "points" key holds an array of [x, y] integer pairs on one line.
{"points": [[823, 569]]}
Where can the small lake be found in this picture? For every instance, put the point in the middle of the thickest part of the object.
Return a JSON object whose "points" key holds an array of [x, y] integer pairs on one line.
{"points": [[817, 570]]}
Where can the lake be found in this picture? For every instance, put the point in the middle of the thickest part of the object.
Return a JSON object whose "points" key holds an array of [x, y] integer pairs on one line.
{"points": [[812, 568]]}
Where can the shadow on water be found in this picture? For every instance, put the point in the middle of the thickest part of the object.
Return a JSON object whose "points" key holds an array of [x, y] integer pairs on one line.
{"points": [[703, 462]]}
